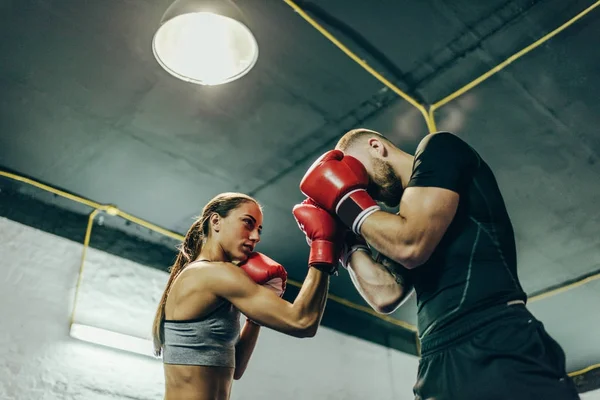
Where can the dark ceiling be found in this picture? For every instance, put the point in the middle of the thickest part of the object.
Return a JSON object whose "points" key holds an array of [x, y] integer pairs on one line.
{"points": [[85, 107]]}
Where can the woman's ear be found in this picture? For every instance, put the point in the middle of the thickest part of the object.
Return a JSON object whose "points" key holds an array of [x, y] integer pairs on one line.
{"points": [[215, 222]]}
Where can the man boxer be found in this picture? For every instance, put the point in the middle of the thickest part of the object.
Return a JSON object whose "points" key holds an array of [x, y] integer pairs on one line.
{"points": [[453, 242]]}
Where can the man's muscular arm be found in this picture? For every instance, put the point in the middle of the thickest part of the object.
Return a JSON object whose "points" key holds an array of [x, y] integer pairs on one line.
{"points": [[383, 284], [411, 236], [397, 271]]}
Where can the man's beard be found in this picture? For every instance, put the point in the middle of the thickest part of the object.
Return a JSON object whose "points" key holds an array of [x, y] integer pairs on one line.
{"points": [[385, 186]]}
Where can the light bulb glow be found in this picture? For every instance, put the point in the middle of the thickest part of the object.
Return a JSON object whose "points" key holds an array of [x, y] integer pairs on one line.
{"points": [[205, 48]]}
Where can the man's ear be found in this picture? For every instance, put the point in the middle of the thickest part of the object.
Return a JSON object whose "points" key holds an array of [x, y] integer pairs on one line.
{"points": [[378, 147]]}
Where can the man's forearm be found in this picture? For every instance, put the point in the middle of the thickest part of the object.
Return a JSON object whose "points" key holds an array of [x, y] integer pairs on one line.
{"points": [[380, 286], [397, 271]]}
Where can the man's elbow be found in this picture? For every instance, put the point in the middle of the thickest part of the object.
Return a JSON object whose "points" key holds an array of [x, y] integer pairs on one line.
{"points": [[390, 303], [412, 263], [412, 258], [387, 306]]}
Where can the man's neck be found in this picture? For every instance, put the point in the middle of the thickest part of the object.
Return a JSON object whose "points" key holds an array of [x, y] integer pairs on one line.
{"points": [[403, 166]]}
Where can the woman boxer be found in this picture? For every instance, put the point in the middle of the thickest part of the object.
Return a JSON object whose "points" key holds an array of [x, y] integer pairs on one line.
{"points": [[217, 275]]}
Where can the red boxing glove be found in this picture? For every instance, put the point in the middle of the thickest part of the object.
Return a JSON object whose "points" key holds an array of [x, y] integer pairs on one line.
{"points": [[338, 184], [322, 233], [266, 272]]}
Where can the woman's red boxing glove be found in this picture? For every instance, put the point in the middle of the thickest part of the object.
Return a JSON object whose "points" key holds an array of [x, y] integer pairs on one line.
{"points": [[322, 234], [266, 272]]}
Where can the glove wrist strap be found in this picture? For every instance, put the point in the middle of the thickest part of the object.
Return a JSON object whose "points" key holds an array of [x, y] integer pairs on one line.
{"points": [[354, 208], [322, 252]]}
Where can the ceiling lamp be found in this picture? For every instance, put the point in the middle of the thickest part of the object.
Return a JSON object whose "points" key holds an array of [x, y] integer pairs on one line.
{"points": [[205, 42]]}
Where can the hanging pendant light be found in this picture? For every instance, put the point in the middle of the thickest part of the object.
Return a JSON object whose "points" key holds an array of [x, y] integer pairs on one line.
{"points": [[205, 42]]}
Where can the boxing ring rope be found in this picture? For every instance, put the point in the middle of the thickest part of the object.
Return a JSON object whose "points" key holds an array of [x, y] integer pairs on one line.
{"points": [[428, 115], [363, 63], [584, 370], [108, 208], [86, 244], [509, 60], [560, 289]]}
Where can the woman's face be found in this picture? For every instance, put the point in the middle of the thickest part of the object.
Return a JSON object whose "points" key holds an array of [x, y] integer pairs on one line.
{"points": [[240, 231]]}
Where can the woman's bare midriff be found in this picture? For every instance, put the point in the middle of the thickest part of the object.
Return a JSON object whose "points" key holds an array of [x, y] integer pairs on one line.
{"points": [[194, 382]]}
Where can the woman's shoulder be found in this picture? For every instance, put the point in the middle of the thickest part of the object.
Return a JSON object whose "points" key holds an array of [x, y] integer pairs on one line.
{"points": [[209, 270]]}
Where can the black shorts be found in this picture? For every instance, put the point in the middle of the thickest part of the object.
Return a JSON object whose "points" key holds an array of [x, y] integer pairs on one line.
{"points": [[506, 356]]}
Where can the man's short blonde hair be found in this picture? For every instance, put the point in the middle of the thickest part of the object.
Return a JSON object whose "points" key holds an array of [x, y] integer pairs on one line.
{"points": [[358, 136]]}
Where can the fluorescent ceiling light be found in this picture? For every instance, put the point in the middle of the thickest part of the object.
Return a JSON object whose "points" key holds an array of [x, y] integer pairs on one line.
{"points": [[112, 339]]}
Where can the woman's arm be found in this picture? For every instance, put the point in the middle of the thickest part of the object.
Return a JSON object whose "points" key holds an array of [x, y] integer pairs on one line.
{"points": [[245, 347], [300, 318]]}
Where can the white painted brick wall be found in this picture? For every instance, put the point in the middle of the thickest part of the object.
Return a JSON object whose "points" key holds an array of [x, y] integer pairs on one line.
{"points": [[593, 395], [39, 360]]}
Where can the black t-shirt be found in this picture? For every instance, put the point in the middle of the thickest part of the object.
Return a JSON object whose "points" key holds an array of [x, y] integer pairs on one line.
{"points": [[475, 264]]}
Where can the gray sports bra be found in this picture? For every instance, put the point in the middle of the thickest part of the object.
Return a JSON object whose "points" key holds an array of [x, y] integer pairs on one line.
{"points": [[208, 341]]}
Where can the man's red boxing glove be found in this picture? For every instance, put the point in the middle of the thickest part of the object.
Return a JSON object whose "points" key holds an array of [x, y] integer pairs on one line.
{"points": [[322, 234], [266, 272], [338, 183]]}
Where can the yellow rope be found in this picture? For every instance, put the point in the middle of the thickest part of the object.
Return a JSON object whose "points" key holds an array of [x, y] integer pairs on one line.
{"points": [[372, 312], [432, 118], [50, 189], [511, 59], [584, 370], [149, 225], [564, 288], [362, 63], [86, 244]]}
